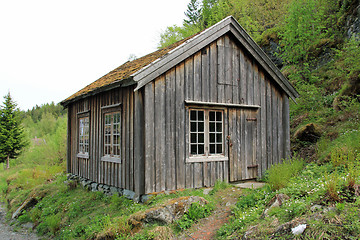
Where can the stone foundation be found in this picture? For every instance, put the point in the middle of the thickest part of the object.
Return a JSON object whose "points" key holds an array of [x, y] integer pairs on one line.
{"points": [[106, 189]]}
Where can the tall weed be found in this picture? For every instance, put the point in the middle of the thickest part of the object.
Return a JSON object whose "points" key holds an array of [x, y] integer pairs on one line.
{"points": [[279, 175]]}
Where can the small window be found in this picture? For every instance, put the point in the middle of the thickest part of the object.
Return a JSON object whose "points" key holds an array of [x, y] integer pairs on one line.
{"points": [[83, 137], [206, 132], [112, 135]]}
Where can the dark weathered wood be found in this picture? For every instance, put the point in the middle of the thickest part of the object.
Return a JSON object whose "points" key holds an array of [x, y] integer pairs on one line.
{"points": [[139, 158], [180, 127], [221, 70], [205, 83], [160, 134], [150, 138], [262, 116], [274, 120], [268, 124], [170, 129], [228, 71], [213, 72], [197, 77]]}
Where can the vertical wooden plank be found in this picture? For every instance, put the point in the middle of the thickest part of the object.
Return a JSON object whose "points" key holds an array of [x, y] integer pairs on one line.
{"points": [[131, 136], [180, 127], [244, 144], [189, 78], [258, 136], [197, 77], [213, 73], [123, 143], [250, 79], [160, 133], [68, 139], [243, 80], [235, 139], [205, 83], [226, 171], [274, 125], [206, 175], [268, 124], [262, 116], [231, 145], [139, 164], [198, 175], [127, 138], [170, 176], [228, 71], [238, 145], [149, 138], [235, 73], [280, 131], [221, 70]]}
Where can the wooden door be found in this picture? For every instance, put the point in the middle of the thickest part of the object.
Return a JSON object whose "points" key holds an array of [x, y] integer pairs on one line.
{"points": [[242, 144]]}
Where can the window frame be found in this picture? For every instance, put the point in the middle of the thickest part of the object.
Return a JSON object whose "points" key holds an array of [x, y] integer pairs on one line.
{"points": [[207, 156], [106, 110], [83, 115]]}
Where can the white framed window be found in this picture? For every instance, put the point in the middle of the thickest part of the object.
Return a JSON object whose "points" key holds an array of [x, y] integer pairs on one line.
{"points": [[84, 137], [206, 133], [111, 135]]}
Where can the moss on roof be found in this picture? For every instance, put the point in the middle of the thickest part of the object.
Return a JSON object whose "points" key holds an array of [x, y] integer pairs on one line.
{"points": [[126, 70]]}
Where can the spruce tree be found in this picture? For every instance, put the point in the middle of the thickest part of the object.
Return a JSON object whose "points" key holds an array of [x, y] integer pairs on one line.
{"points": [[12, 139]]}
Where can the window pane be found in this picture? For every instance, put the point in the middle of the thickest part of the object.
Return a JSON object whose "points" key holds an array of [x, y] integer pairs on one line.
{"points": [[212, 116], [201, 149], [219, 138], [200, 138], [212, 127], [218, 116], [201, 126], [212, 148], [193, 115], [218, 127], [193, 149], [193, 127], [212, 137], [218, 148], [193, 138], [200, 115]]}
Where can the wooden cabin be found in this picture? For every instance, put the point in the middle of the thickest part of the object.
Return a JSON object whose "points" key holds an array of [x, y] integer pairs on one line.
{"points": [[210, 107]]}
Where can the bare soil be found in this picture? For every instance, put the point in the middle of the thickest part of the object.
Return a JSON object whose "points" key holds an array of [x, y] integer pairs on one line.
{"points": [[206, 228], [7, 232]]}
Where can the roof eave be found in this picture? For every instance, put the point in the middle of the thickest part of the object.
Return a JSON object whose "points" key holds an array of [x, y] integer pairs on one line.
{"points": [[116, 84]]}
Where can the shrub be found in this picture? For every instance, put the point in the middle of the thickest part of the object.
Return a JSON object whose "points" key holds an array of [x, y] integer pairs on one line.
{"points": [[278, 175]]}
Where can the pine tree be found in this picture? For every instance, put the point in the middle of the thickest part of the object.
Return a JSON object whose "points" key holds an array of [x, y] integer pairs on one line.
{"points": [[12, 139], [192, 13]]}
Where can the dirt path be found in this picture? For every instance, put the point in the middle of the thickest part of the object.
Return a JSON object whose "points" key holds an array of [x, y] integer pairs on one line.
{"points": [[7, 232], [206, 228]]}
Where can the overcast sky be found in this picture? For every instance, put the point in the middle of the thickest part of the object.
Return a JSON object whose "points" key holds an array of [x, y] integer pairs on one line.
{"points": [[49, 49]]}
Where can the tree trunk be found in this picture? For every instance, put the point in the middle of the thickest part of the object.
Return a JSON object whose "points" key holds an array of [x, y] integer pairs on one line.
{"points": [[7, 162]]}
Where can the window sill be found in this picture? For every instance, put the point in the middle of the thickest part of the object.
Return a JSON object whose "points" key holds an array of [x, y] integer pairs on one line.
{"points": [[83, 155], [111, 159], [206, 159]]}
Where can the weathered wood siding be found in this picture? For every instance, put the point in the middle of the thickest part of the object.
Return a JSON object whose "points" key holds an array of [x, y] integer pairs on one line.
{"points": [[115, 174], [255, 138]]}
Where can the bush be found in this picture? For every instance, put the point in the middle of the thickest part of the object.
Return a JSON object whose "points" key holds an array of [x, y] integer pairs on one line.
{"points": [[278, 175]]}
